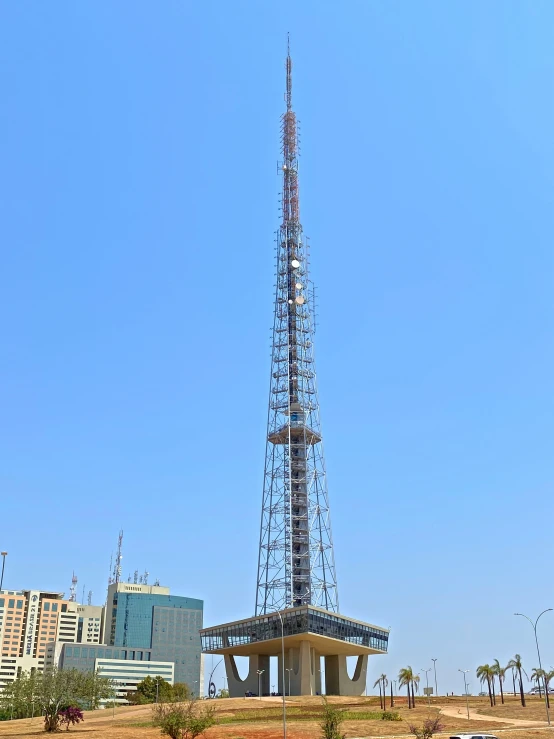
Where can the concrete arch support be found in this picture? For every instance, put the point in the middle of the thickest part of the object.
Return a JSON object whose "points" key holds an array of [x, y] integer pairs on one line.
{"points": [[337, 681], [251, 684]]}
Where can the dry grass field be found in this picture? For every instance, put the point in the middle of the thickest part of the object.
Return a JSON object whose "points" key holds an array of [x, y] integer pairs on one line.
{"points": [[262, 719]]}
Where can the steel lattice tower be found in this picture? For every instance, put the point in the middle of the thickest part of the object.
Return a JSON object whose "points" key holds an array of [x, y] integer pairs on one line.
{"points": [[296, 563]]}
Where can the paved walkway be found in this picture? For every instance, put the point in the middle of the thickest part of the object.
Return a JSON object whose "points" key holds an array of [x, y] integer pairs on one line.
{"points": [[460, 711]]}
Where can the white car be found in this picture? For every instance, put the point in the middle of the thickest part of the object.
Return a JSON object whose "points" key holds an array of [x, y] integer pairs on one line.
{"points": [[473, 736]]}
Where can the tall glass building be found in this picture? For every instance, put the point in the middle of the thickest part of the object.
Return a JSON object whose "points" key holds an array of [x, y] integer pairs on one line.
{"points": [[148, 617]]}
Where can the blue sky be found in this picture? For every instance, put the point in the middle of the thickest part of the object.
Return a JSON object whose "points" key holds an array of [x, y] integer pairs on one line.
{"points": [[138, 201]]}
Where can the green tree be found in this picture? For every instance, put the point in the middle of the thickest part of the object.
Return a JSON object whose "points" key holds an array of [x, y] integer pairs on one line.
{"points": [[222, 693], [500, 673], [485, 673], [50, 691], [180, 692], [184, 720], [154, 690], [515, 663], [405, 679]]}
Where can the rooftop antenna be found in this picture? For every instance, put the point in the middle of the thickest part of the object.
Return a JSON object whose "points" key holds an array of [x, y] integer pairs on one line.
{"points": [[73, 589], [89, 600], [135, 577], [145, 577], [116, 575]]}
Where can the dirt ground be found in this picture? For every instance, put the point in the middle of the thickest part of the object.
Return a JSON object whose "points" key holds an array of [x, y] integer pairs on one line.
{"points": [[249, 722]]}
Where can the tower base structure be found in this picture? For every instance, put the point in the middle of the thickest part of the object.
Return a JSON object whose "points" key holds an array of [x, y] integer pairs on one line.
{"points": [[314, 644]]}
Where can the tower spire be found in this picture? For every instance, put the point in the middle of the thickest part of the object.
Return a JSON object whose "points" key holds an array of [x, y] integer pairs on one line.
{"points": [[296, 563], [289, 76]]}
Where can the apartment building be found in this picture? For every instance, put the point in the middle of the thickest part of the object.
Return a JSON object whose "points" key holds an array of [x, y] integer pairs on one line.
{"points": [[30, 619]]}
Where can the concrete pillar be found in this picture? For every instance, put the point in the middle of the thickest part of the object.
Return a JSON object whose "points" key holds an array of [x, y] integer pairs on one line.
{"points": [[237, 686], [337, 681]]}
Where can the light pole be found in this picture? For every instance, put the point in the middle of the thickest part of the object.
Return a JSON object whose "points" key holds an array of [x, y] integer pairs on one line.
{"points": [[427, 683], [289, 670], [3, 555], [283, 675], [434, 661], [534, 625], [157, 687], [260, 672], [464, 673]]}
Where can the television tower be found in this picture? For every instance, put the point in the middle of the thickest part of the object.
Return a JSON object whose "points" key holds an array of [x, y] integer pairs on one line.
{"points": [[296, 563]]}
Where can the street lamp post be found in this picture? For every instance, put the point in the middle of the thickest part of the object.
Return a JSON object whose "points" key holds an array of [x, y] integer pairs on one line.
{"points": [[283, 676], [3, 555], [289, 670], [434, 661], [260, 672], [464, 673], [427, 683], [534, 625]]}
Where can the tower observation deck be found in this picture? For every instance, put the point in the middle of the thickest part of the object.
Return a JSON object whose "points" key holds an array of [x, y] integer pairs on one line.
{"points": [[296, 565], [297, 616]]}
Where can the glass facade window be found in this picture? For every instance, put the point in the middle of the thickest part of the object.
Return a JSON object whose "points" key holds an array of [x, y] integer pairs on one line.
{"points": [[54, 606], [46, 606], [301, 621], [11, 603], [20, 604], [69, 651]]}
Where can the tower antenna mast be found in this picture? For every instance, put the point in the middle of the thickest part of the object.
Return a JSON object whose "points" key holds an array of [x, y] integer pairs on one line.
{"points": [[296, 562], [116, 576]]}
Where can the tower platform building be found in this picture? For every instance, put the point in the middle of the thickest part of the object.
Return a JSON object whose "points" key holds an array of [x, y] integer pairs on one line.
{"points": [[297, 606], [304, 636]]}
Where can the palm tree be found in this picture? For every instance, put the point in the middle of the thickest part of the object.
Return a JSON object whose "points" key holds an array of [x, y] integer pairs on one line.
{"points": [[405, 678], [536, 677], [547, 678], [381, 683], [415, 682], [500, 672], [515, 663], [485, 672], [385, 682]]}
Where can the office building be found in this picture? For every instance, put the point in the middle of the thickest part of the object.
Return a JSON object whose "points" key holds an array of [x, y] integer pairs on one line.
{"points": [[126, 667], [147, 617]]}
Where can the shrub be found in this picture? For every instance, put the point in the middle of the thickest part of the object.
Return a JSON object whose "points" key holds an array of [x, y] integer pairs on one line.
{"points": [[332, 721], [430, 728], [183, 720], [390, 716], [70, 716]]}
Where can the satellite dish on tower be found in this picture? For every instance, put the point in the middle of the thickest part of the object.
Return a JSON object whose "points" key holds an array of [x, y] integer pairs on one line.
{"points": [[295, 263]]}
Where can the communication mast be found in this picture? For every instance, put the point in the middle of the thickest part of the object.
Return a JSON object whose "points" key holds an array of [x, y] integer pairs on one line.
{"points": [[116, 575], [296, 562], [89, 600], [73, 589]]}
